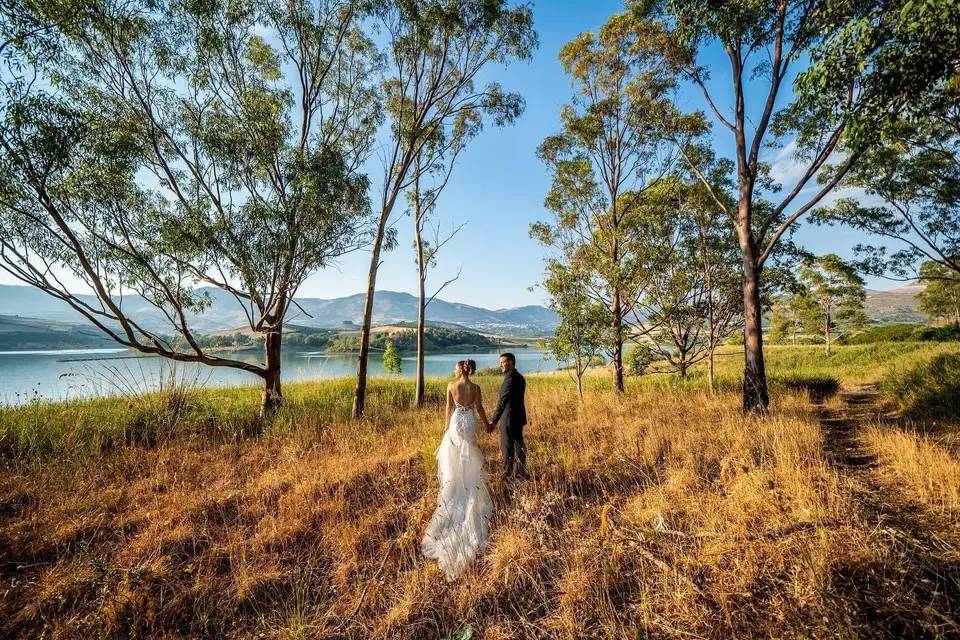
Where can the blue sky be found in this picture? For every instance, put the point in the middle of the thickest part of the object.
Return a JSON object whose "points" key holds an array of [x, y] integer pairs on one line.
{"points": [[498, 185]]}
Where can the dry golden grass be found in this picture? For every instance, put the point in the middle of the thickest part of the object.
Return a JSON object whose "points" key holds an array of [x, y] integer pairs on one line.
{"points": [[664, 513], [924, 466]]}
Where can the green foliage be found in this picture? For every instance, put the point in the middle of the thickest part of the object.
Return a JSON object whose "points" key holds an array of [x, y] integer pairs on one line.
{"points": [[405, 341], [791, 315], [581, 333], [173, 146], [391, 359], [914, 169], [692, 301], [884, 333], [613, 146], [640, 357], [940, 297], [293, 337], [903, 332], [930, 389], [863, 62], [832, 298], [946, 333]]}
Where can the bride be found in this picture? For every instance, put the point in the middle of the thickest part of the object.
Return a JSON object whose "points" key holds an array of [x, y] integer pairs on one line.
{"points": [[459, 528]]}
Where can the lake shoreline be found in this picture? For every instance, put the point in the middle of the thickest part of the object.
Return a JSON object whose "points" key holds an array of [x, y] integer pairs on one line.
{"points": [[65, 375]]}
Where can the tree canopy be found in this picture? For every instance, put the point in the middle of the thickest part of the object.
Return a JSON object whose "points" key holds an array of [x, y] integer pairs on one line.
{"points": [[148, 149]]}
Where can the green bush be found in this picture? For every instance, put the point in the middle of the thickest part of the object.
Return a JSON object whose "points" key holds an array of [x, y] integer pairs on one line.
{"points": [[883, 333], [946, 333], [930, 389], [640, 357]]}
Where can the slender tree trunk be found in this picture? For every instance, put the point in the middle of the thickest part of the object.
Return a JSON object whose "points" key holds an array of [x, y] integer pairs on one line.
{"points": [[826, 330], [755, 394], [272, 395], [617, 350], [711, 368], [711, 316], [360, 392], [419, 390], [956, 316], [580, 383], [683, 366]]}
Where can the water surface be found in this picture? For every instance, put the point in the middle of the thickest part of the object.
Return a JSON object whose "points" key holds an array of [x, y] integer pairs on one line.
{"points": [[80, 373]]}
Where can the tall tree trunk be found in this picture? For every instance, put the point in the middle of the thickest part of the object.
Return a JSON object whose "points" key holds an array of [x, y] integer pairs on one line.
{"points": [[617, 350], [711, 315], [272, 395], [711, 368], [755, 394], [826, 330], [419, 392], [683, 366], [360, 392], [580, 383]]}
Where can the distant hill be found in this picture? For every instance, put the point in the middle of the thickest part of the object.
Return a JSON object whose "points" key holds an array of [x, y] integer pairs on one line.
{"points": [[224, 314], [895, 305], [19, 333]]}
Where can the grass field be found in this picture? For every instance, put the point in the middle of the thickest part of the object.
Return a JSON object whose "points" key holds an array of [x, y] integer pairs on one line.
{"points": [[662, 513]]}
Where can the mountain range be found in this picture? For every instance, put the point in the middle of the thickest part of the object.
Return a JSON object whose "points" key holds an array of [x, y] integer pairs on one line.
{"points": [[31, 319], [895, 305], [225, 314], [24, 334]]}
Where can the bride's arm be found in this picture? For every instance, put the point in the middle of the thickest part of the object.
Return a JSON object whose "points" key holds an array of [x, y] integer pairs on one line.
{"points": [[480, 409], [449, 405]]}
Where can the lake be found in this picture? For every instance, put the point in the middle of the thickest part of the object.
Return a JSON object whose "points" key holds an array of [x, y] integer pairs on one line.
{"points": [[82, 373]]}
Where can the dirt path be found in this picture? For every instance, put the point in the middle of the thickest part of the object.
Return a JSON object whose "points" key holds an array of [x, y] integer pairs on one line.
{"points": [[912, 590]]}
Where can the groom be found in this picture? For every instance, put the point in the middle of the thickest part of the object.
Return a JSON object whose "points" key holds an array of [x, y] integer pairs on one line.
{"points": [[513, 412]]}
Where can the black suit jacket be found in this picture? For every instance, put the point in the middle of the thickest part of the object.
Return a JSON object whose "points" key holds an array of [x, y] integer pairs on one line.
{"points": [[511, 406]]}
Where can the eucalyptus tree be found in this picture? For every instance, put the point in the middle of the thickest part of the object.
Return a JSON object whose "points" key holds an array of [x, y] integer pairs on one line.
{"points": [[915, 174], [431, 170], [940, 297], [852, 65], [834, 294], [787, 317], [613, 148], [580, 335], [161, 147], [436, 50], [690, 303]]}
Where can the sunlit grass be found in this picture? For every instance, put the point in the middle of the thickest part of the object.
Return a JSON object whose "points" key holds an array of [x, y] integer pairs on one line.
{"points": [[664, 512]]}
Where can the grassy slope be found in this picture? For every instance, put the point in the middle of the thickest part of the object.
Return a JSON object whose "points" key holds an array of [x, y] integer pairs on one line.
{"points": [[666, 511]]}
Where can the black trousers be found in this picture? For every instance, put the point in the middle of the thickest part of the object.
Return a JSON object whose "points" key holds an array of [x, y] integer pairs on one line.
{"points": [[513, 451]]}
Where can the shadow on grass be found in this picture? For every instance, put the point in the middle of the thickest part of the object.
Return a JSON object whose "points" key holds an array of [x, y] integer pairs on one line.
{"points": [[819, 387]]}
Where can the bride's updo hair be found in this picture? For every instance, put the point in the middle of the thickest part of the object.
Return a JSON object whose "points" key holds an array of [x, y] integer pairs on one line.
{"points": [[467, 367]]}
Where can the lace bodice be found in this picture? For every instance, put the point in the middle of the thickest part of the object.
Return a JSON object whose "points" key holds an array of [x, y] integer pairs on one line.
{"points": [[464, 407]]}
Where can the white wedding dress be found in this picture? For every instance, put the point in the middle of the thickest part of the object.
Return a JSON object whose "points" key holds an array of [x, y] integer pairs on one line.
{"points": [[460, 526]]}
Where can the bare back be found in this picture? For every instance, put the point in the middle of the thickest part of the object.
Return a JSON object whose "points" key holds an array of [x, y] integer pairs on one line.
{"points": [[465, 393]]}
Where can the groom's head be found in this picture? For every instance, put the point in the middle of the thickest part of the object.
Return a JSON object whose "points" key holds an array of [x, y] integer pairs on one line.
{"points": [[507, 362]]}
